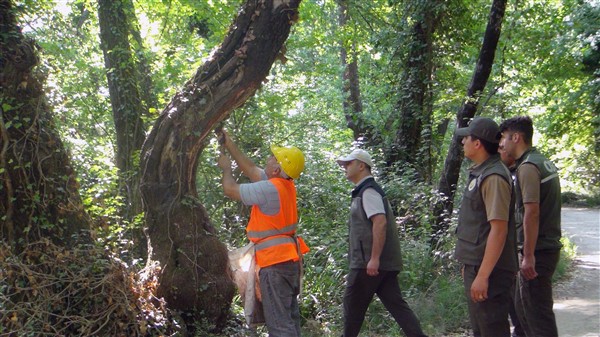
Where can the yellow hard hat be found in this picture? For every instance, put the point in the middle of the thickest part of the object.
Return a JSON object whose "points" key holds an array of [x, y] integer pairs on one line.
{"points": [[291, 160]]}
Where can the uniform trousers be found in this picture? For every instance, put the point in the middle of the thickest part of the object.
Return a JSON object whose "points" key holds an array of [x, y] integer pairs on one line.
{"points": [[279, 287], [360, 289], [490, 317], [533, 298]]}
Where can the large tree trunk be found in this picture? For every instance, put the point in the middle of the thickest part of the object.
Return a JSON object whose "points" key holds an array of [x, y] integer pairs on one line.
{"points": [[483, 68], [144, 73], [194, 267], [414, 110], [39, 193]]}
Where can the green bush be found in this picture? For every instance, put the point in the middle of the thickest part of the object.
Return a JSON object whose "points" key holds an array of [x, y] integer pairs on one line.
{"points": [[567, 255]]}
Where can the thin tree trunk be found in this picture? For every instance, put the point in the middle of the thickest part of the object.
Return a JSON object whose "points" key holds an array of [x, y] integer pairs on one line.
{"points": [[126, 105], [38, 192], [483, 68], [194, 275], [352, 103]]}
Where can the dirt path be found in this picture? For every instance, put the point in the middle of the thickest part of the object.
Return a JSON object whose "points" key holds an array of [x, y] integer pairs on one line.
{"points": [[577, 299]]}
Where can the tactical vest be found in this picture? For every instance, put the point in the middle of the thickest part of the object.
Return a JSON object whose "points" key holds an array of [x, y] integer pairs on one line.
{"points": [[550, 203], [473, 227], [360, 230], [274, 235]]}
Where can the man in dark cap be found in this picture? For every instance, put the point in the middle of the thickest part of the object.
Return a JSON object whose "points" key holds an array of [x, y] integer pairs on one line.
{"points": [[486, 231]]}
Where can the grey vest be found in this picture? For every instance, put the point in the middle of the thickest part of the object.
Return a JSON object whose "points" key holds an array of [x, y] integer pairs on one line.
{"points": [[473, 227], [550, 202], [361, 233]]}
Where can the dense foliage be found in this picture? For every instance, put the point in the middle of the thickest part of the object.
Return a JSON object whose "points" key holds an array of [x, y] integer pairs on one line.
{"points": [[547, 66]]}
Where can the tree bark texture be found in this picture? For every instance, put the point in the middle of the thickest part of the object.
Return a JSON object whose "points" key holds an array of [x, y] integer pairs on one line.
{"points": [[194, 266], [414, 110], [39, 195], [125, 97], [483, 68], [352, 103], [127, 107], [143, 71]]}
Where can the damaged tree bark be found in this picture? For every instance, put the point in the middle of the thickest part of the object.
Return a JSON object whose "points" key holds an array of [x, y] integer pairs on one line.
{"points": [[193, 262]]}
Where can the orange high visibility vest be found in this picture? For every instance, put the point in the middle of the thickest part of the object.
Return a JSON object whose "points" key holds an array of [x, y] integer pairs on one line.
{"points": [[274, 235]]}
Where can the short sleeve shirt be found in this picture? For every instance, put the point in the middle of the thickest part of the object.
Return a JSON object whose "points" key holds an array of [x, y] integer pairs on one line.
{"points": [[528, 177], [371, 200], [496, 197], [261, 193], [372, 203]]}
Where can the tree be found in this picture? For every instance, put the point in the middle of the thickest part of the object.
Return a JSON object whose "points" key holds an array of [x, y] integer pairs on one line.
{"points": [[127, 104], [413, 109], [352, 103], [39, 195], [483, 68], [182, 241]]}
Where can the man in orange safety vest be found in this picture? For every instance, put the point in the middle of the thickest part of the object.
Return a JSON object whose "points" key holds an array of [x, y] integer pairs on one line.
{"points": [[272, 229]]}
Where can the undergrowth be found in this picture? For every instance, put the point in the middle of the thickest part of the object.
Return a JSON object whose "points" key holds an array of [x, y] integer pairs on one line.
{"points": [[47, 290]]}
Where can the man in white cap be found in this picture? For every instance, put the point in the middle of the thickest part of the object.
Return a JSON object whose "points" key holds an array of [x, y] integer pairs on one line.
{"points": [[486, 234], [374, 252]]}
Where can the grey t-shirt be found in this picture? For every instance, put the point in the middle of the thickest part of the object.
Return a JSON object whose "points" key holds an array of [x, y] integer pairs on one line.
{"points": [[261, 193]]}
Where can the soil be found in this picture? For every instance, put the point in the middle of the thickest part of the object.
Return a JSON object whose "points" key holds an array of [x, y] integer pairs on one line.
{"points": [[577, 298]]}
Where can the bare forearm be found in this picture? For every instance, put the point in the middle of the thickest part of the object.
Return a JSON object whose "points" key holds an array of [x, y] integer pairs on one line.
{"points": [[531, 225], [230, 187], [248, 167], [379, 223], [493, 249]]}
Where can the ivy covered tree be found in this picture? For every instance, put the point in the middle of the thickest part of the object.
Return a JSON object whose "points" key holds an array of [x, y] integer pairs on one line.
{"points": [[400, 74], [39, 192], [124, 86]]}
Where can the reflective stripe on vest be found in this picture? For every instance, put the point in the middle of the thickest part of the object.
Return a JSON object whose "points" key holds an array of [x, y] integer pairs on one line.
{"points": [[259, 235], [273, 234], [278, 240], [548, 178]]}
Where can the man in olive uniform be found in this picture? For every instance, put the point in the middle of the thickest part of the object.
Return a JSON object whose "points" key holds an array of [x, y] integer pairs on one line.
{"points": [[486, 232], [538, 207], [510, 162]]}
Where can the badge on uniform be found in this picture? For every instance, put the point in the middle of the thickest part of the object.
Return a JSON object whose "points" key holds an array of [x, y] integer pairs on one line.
{"points": [[472, 184]]}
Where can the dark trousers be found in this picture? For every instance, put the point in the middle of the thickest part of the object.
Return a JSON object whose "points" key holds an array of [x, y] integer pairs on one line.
{"points": [[279, 287], [514, 318], [533, 298], [360, 289], [490, 317]]}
